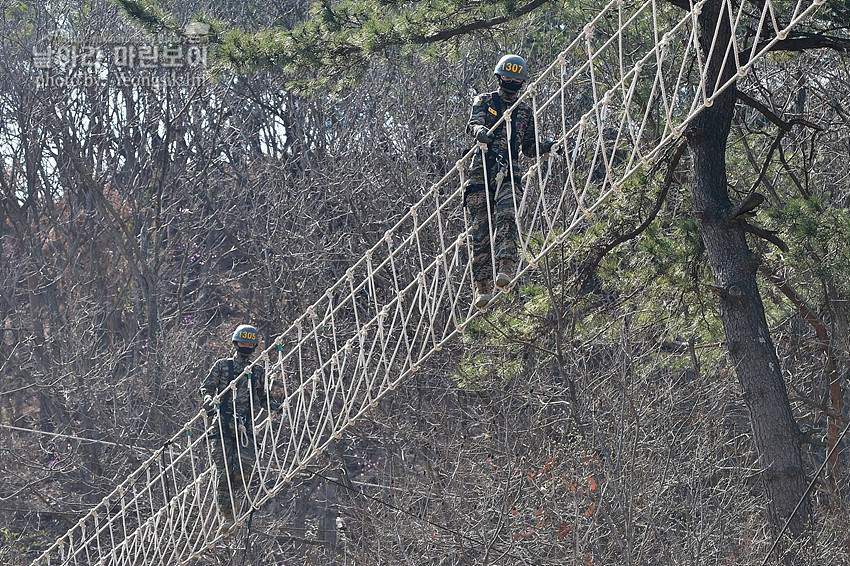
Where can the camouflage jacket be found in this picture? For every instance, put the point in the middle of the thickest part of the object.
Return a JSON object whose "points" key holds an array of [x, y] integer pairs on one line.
{"points": [[485, 112], [219, 377]]}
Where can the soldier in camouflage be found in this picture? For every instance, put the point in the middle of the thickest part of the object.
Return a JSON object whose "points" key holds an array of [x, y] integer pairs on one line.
{"points": [[497, 176], [231, 438]]}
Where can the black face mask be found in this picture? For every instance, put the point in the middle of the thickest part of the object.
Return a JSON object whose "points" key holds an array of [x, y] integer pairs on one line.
{"points": [[245, 350], [510, 86]]}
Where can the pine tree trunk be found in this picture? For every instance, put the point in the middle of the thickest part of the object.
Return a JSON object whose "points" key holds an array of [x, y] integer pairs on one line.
{"points": [[734, 267]]}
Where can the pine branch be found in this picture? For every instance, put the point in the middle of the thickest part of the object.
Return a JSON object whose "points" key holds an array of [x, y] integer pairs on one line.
{"points": [[149, 14]]}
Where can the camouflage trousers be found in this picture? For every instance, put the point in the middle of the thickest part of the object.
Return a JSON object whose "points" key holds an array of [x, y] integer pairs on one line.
{"points": [[226, 454], [502, 224]]}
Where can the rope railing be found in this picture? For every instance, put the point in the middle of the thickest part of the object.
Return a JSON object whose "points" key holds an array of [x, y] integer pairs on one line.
{"points": [[410, 294]]}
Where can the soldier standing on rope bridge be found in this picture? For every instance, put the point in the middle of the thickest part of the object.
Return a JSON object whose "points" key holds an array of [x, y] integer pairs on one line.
{"points": [[231, 438], [499, 173]]}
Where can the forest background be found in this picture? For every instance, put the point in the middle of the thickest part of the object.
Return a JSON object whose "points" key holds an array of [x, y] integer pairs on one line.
{"points": [[596, 416]]}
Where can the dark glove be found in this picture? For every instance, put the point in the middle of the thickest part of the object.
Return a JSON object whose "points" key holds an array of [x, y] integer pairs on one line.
{"points": [[546, 147], [275, 406], [209, 407], [481, 134]]}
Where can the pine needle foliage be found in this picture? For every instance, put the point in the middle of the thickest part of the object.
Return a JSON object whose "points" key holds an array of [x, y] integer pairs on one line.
{"points": [[338, 40], [149, 14]]}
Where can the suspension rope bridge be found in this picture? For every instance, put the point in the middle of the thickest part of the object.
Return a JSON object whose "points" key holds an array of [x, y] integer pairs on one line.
{"points": [[411, 293]]}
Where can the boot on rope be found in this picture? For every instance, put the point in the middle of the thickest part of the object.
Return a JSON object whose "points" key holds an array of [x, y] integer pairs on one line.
{"points": [[506, 273], [482, 294], [228, 521]]}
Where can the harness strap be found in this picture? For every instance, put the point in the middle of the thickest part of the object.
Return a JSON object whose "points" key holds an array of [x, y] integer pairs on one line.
{"points": [[499, 108], [501, 163], [227, 402]]}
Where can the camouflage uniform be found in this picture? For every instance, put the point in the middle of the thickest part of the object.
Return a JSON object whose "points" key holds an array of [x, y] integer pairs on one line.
{"points": [[485, 112], [226, 449]]}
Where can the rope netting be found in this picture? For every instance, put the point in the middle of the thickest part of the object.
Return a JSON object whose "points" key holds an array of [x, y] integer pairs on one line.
{"points": [[412, 293]]}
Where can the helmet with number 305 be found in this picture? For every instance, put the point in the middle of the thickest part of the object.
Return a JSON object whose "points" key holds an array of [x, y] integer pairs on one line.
{"points": [[245, 333], [511, 67]]}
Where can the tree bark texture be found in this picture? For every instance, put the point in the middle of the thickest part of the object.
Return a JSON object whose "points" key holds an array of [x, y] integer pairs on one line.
{"points": [[734, 266]]}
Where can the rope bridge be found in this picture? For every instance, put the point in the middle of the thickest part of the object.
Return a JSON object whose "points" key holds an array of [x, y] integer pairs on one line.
{"points": [[411, 293]]}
